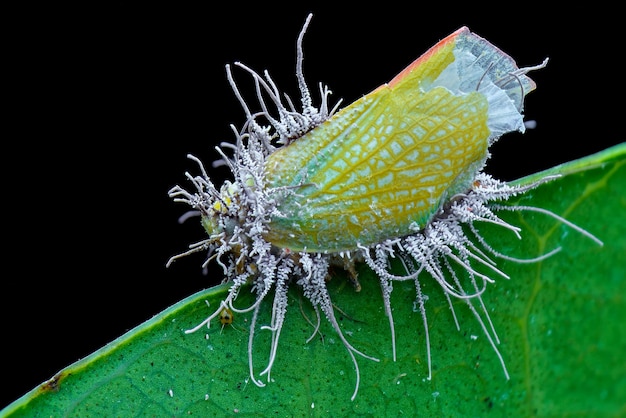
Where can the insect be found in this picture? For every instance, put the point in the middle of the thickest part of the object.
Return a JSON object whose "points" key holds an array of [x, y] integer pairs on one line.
{"points": [[396, 174], [226, 316]]}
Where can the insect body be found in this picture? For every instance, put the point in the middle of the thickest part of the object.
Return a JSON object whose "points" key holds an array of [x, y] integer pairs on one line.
{"points": [[396, 174], [226, 316]]}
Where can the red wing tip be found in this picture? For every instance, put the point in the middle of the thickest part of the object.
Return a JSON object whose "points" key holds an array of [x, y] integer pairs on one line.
{"points": [[450, 38]]}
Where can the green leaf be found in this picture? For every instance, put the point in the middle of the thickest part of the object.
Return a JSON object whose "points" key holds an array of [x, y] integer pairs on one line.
{"points": [[560, 322]]}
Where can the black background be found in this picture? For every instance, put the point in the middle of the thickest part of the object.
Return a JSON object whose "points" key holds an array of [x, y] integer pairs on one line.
{"points": [[109, 101]]}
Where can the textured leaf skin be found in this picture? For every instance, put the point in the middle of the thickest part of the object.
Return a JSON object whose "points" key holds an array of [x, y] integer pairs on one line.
{"points": [[560, 322]]}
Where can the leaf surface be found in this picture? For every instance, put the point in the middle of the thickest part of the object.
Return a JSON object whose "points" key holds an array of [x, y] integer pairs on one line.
{"points": [[560, 322]]}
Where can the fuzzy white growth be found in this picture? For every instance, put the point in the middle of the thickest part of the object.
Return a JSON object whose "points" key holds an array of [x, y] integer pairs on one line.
{"points": [[291, 124], [238, 214]]}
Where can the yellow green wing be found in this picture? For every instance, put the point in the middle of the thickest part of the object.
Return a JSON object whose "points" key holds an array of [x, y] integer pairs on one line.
{"points": [[388, 162]]}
